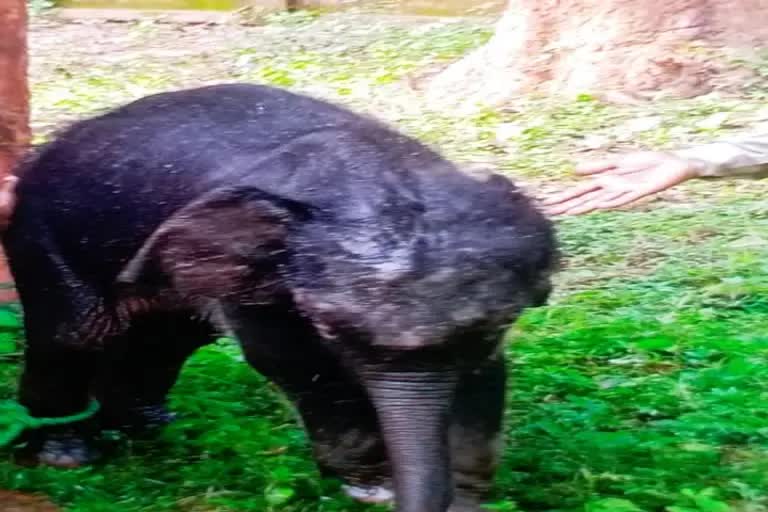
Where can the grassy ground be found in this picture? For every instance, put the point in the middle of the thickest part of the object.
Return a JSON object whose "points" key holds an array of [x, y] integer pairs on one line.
{"points": [[642, 387]]}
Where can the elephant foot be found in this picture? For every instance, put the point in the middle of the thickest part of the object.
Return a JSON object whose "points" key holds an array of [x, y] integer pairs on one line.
{"points": [[138, 420], [382, 495], [59, 450], [465, 501], [465, 506], [365, 482], [369, 494]]}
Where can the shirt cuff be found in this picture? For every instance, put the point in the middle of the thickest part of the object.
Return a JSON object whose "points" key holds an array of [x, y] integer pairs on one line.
{"points": [[748, 156]]}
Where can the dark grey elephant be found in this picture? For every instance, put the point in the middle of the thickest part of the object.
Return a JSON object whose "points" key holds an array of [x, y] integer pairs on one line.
{"points": [[360, 271]]}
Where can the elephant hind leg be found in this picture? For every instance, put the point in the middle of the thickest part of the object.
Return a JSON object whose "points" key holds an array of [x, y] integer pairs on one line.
{"points": [[141, 365], [130, 375]]}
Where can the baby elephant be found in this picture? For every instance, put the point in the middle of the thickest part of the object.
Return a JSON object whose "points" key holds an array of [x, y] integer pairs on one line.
{"points": [[360, 271]]}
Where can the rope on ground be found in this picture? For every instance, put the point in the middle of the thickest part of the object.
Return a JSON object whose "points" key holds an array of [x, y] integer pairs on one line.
{"points": [[15, 419]]}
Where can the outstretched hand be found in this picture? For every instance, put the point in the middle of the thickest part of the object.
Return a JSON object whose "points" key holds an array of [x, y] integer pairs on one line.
{"points": [[617, 182]]}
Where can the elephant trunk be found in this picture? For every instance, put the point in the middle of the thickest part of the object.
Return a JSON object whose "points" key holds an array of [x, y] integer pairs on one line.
{"points": [[413, 410]]}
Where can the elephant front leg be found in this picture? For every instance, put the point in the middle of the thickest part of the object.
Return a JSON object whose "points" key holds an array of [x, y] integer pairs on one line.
{"points": [[476, 433], [55, 383], [334, 407], [347, 444]]}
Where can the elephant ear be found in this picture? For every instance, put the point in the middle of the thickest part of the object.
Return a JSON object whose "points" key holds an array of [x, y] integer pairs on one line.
{"points": [[226, 245]]}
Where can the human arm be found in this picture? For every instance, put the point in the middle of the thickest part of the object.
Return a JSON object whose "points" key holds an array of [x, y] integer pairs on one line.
{"points": [[7, 200], [625, 179]]}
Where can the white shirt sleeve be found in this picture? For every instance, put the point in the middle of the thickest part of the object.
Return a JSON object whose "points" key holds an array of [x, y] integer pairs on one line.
{"points": [[732, 157]]}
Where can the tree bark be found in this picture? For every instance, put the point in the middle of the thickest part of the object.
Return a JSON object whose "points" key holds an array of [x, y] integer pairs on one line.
{"points": [[637, 47], [14, 97], [14, 92]]}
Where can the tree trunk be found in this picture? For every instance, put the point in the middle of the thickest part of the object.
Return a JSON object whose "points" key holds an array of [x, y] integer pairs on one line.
{"points": [[14, 96], [636, 47]]}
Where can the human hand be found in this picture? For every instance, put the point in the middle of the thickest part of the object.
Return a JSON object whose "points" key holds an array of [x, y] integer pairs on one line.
{"points": [[619, 181], [7, 200]]}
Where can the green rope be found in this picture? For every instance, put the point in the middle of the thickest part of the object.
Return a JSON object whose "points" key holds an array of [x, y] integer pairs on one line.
{"points": [[15, 419]]}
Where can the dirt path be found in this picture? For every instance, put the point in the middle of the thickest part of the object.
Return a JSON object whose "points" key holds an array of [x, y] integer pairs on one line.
{"points": [[370, 62], [17, 502]]}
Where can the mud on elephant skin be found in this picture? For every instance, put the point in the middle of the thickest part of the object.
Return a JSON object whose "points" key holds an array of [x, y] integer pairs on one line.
{"points": [[362, 272]]}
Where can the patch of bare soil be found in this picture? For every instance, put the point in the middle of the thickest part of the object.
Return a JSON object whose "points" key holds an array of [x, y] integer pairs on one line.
{"points": [[17, 502]]}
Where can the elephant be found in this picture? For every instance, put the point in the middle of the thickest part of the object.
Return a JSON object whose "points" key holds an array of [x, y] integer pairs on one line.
{"points": [[362, 272]]}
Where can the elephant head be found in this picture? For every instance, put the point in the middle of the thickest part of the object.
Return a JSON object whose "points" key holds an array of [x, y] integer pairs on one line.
{"points": [[406, 294]]}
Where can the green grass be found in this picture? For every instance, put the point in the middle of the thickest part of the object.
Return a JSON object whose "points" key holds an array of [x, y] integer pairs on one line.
{"points": [[643, 387]]}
